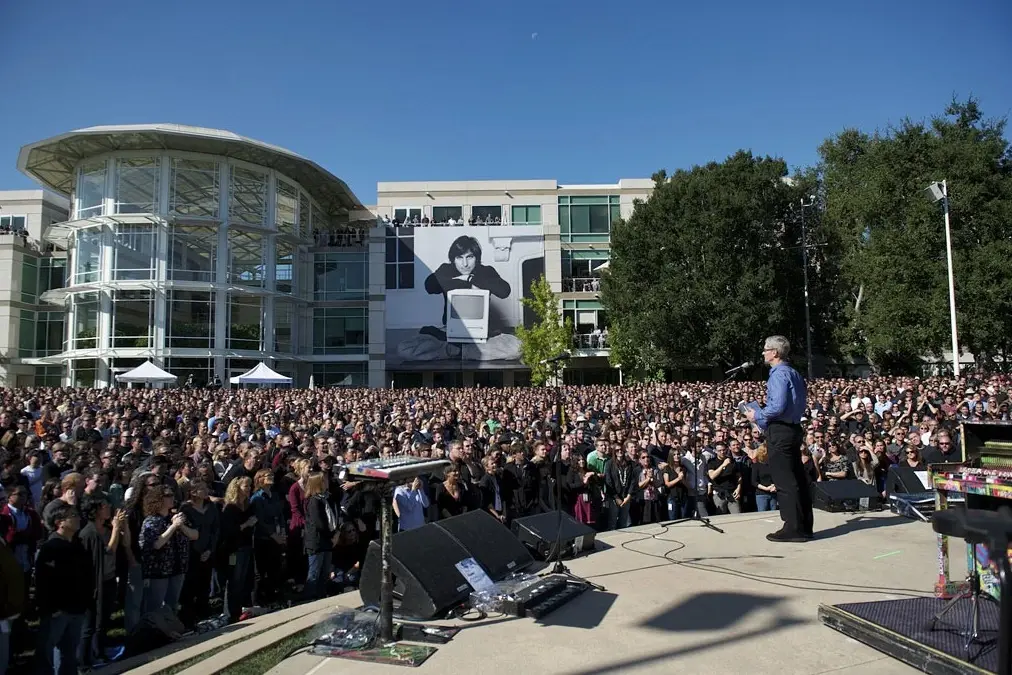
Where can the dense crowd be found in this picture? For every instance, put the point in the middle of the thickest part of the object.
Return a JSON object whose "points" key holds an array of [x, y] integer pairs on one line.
{"points": [[142, 500]]}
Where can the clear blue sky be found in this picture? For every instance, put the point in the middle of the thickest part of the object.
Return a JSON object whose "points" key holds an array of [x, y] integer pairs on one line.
{"points": [[581, 91]]}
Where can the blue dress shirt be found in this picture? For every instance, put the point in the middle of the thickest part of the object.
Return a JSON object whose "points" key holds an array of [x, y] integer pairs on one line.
{"points": [[785, 397]]}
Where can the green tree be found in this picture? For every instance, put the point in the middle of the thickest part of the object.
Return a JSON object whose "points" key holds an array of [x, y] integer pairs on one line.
{"points": [[548, 336], [893, 242], [707, 267]]}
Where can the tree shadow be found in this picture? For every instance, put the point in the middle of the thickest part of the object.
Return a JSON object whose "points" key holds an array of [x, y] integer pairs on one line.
{"points": [[711, 611]]}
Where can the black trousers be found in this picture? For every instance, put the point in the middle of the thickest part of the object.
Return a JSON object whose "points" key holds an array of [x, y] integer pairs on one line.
{"points": [[196, 596], [267, 583], [783, 441]]}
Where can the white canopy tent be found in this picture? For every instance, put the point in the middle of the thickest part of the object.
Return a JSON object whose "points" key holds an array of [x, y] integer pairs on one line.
{"points": [[261, 374], [146, 373]]}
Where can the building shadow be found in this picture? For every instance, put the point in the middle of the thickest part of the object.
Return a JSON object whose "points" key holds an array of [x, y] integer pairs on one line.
{"points": [[856, 524], [709, 611], [586, 611]]}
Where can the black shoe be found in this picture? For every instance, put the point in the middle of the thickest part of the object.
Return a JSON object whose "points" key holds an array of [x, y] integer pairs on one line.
{"points": [[785, 535]]}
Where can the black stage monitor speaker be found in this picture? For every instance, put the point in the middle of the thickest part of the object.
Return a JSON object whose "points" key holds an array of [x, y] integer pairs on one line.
{"points": [[538, 533], [490, 543], [426, 580], [904, 480], [845, 495]]}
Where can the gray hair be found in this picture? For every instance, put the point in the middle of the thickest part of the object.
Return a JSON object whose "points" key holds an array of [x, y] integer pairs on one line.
{"points": [[780, 345]]}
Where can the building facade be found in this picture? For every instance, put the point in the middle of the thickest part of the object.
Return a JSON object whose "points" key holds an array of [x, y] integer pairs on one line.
{"points": [[207, 252]]}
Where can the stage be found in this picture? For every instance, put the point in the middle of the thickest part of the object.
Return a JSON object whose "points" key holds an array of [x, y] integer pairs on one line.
{"points": [[727, 603]]}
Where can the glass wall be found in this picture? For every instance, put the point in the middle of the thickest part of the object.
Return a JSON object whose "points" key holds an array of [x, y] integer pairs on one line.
{"points": [[400, 261], [133, 252], [340, 330], [202, 370], [442, 214], [87, 255], [341, 276], [40, 334], [86, 306], [137, 185], [247, 198], [195, 190], [85, 372], [49, 376], [133, 318], [284, 317], [91, 190], [286, 198], [52, 274], [486, 214], [526, 215], [284, 266], [246, 258], [305, 216], [191, 320], [245, 322], [29, 280], [587, 218], [193, 253], [341, 374]]}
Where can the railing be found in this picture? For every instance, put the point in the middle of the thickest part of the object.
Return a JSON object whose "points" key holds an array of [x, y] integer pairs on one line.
{"points": [[590, 341], [23, 238], [581, 285], [341, 239], [426, 222]]}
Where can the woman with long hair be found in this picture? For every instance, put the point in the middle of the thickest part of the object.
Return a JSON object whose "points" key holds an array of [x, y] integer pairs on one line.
{"points": [[140, 483], [836, 465], [268, 538], [320, 535], [237, 523], [205, 518], [296, 555], [864, 467], [164, 542], [450, 497], [762, 481], [102, 543]]}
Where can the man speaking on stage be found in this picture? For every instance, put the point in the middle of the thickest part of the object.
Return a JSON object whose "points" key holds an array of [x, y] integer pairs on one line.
{"points": [[780, 421]]}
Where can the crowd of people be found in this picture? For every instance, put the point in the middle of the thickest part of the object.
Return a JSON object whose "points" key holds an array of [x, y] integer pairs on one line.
{"points": [[145, 500], [450, 221]]}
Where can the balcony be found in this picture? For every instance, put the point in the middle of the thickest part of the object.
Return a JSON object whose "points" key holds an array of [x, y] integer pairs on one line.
{"points": [[341, 239], [581, 285], [591, 343]]}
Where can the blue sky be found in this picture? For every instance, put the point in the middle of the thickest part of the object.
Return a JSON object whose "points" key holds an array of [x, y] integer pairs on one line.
{"points": [[581, 91]]}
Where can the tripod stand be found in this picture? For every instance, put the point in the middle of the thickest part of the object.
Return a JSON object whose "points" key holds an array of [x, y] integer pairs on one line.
{"points": [[559, 567], [697, 458]]}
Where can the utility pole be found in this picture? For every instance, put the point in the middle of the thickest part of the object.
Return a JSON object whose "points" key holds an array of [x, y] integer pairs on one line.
{"points": [[804, 272]]}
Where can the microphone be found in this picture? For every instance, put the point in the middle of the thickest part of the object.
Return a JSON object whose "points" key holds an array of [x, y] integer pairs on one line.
{"points": [[747, 364], [564, 356]]}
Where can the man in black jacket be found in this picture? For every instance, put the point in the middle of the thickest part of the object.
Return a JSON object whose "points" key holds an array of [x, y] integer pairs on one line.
{"points": [[12, 599], [65, 589]]}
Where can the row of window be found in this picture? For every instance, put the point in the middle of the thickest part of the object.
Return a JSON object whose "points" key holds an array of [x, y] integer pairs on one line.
{"points": [[195, 192], [13, 223], [191, 318], [520, 215], [39, 275]]}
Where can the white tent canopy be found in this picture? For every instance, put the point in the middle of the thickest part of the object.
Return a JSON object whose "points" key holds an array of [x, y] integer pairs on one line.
{"points": [[148, 373], [261, 374]]}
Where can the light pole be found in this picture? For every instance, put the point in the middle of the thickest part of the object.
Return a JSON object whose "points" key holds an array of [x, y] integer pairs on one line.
{"points": [[939, 192], [804, 274]]}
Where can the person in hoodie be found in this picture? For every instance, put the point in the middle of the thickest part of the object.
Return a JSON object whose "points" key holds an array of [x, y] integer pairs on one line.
{"points": [[65, 591], [268, 538]]}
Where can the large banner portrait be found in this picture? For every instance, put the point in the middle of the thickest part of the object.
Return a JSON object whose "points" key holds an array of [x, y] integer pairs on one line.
{"points": [[461, 303]]}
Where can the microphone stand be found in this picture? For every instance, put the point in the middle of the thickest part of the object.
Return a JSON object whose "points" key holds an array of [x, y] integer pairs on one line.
{"points": [[696, 458], [559, 567]]}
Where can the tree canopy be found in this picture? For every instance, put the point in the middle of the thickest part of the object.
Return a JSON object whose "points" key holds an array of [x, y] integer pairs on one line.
{"points": [[548, 337]]}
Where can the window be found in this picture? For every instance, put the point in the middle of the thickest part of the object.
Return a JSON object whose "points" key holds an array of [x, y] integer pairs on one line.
{"points": [[482, 214], [91, 190], [445, 379], [137, 185], [26, 334], [13, 223], [86, 306], [589, 323], [406, 380], [488, 378], [406, 214], [340, 330], [132, 318], [245, 322], [52, 274], [193, 253], [85, 372], [30, 280], [40, 334], [305, 215], [442, 214], [319, 219], [87, 255], [286, 199], [341, 374], [587, 218], [526, 215], [49, 376], [341, 276], [202, 370], [195, 190], [133, 252], [191, 320], [284, 318], [245, 258], [284, 266], [247, 198], [580, 270], [400, 265]]}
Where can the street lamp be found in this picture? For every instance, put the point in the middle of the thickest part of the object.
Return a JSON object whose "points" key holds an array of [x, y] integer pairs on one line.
{"points": [[804, 270], [939, 192]]}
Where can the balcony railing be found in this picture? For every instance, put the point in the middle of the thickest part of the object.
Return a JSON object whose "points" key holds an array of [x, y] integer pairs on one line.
{"points": [[344, 239], [581, 285], [590, 341]]}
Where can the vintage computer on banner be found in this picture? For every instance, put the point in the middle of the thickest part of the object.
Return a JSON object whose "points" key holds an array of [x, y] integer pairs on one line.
{"points": [[467, 315]]}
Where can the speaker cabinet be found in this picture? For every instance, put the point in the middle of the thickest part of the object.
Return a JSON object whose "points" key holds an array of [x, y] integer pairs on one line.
{"points": [[490, 543], [538, 532], [845, 495]]}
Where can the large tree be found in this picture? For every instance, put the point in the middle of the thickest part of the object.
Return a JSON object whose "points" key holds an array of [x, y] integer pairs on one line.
{"points": [[548, 336], [708, 266], [893, 255]]}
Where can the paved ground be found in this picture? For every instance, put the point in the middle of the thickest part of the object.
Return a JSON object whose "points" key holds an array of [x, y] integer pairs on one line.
{"points": [[721, 603]]}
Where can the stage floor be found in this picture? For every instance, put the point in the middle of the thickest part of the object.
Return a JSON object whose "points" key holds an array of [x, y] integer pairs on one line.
{"points": [[724, 603]]}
